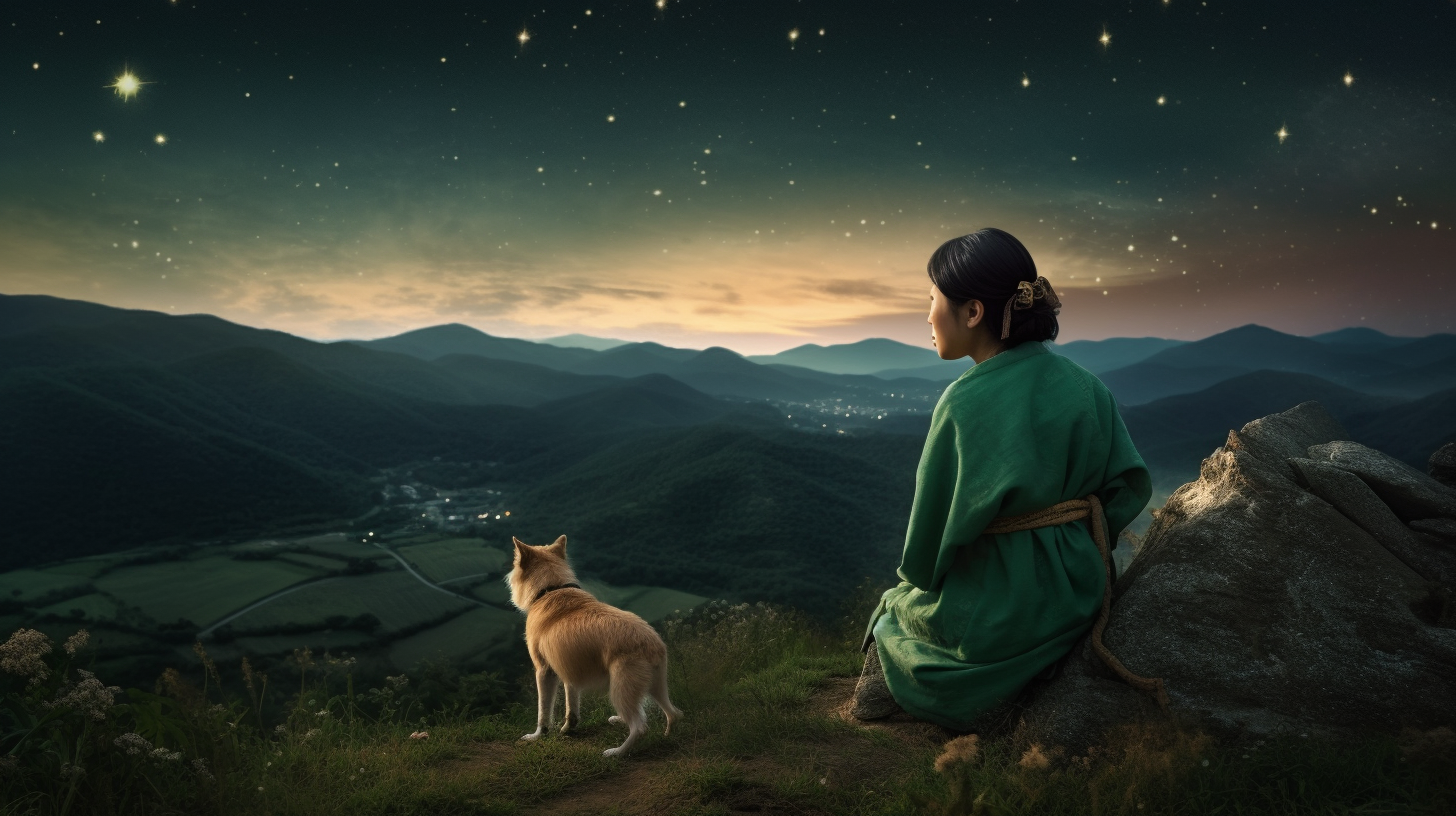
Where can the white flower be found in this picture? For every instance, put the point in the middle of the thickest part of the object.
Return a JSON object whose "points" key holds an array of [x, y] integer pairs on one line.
{"points": [[22, 654]]}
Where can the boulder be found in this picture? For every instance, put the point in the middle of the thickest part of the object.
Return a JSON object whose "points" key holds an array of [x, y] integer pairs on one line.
{"points": [[1442, 464], [1410, 493], [1353, 498], [1443, 530], [1277, 438], [1264, 609]]}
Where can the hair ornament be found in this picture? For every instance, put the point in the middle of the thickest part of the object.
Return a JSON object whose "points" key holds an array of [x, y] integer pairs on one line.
{"points": [[1027, 293]]}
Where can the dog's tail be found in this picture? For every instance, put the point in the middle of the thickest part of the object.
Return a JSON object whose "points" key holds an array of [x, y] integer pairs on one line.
{"points": [[658, 690]]}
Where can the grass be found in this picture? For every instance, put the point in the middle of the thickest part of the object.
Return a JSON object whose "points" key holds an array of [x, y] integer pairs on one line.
{"points": [[200, 590], [94, 606], [760, 734], [467, 640], [396, 598], [456, 558], [651, 603], [28, 584]]}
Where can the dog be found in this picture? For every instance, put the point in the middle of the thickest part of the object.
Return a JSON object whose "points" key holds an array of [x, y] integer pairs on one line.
{"points": [[580, 642]]}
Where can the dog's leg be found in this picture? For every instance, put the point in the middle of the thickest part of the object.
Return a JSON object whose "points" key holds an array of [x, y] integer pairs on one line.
{"points": [[658, 691], [546, 683], [629, 687], [573, 707]]}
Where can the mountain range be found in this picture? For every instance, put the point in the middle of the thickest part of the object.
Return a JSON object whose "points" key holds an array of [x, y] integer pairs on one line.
{"points": [[124, 427]]}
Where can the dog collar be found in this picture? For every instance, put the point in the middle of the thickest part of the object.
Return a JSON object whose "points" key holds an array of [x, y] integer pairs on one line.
{"points": [[572, 585]]}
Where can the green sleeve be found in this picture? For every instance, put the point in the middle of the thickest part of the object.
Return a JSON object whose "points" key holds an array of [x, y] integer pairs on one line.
{"points": [[957, 489], [1126, 484]]}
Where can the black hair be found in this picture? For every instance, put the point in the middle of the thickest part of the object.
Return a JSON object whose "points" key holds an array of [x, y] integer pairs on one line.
{"points": [[987, 265]]}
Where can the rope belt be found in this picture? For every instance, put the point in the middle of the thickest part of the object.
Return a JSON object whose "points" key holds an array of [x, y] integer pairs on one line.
{"points": [[1075, 510]]}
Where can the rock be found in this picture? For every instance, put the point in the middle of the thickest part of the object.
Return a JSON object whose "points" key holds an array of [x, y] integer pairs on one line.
{"points": [[1442, 464], [1277, 438], [1410, 493], [1441, 529], [1264, 609], [1353, 498]]}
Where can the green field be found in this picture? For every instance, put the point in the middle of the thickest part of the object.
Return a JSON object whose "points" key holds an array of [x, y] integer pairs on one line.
{"points": [[651, 603], [95, 606], [396, 598], [310, 561], [28, 584], [86, 567], [455, 558], [493, 592], [466, 640], [201, 590], [321, 641]]}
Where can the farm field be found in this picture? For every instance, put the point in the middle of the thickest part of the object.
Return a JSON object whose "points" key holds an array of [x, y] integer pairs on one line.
{"points": [[290, 599], [467, 640], [396, 598], [30, 584], [200, 590], [456, 558]]}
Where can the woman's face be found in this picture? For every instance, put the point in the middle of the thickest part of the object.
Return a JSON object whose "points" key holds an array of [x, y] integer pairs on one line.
{"points": [[948, 324]]}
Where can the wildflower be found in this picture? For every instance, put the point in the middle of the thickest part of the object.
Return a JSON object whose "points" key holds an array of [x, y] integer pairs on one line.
{"points": [[76, 642], [200, 766], [163, 755], [132, 744], [419, 735], [22, 655], [260, 789], [323, 712], [1205, 763], [71, 772], [961, 749], [89, 696], [280, 729], [1034, 759], [310, 734]]}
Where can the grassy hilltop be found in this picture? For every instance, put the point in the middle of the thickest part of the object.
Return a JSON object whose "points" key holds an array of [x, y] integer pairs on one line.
{"points": [[763, 692]]}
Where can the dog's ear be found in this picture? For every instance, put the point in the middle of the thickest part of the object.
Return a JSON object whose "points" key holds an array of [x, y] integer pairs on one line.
{"points": [[560, 546], [523, 550]]}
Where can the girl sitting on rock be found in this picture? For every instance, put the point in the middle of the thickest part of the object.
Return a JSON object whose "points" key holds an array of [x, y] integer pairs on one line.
{"points": [[1026, 476]]}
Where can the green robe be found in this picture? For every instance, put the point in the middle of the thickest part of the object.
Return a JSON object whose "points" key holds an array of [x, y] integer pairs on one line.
{"points": [[976, 616]]}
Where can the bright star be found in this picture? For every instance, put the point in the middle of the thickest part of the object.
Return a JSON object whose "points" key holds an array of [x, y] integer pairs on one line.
{"points": [[1162, 100], [524, 36], [99, 137], [127, 85], [1349, 79], [1283, 134], [611, 117], [794, 35], [161, 139], [1025, 81], [1105, 39]]}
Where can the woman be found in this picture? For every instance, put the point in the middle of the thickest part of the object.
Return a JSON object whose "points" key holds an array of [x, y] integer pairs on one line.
{"points": [[980, 610]]}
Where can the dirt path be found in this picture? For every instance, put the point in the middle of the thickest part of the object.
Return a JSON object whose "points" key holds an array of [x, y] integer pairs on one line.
{"points": [[638, 786]]}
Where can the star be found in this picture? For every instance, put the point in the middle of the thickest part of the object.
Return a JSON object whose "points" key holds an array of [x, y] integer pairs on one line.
{"points": [[161, 138], [1162, 100], [1283, 134], [99, 137], [524, 36], [1105, 39], [1025, 81], [127, 85], [1349, 79], [794, 35]]}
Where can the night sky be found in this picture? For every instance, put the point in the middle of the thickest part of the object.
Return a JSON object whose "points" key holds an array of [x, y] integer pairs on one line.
{"points": [[749, 174]]}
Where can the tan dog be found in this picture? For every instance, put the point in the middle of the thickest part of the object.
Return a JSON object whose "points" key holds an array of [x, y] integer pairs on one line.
{"points": [[577, 640]]}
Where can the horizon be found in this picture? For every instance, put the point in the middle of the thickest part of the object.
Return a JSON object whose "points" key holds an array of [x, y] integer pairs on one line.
{"points": [[714, 174], [928, 347]]}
